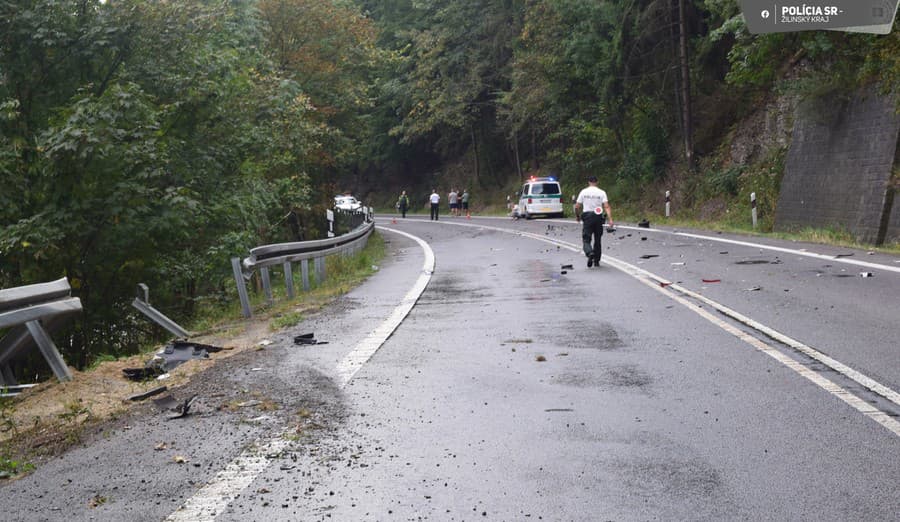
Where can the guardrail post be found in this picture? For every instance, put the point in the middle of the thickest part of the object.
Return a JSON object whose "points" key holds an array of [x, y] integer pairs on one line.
{"points": [[267, 284], [45, 344], [319, 269], [304, 273], [668, 204], [241, 286], [288, 280]]}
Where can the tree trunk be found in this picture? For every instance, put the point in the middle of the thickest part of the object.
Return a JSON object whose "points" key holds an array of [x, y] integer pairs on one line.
{"points": [[687, 118], [475, 155], [516, 150]]}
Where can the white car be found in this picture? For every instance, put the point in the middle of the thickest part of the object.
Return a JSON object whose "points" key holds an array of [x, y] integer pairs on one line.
{"points": [[347, 203]]}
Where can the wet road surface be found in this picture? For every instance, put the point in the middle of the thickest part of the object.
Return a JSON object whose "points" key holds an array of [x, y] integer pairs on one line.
{"points": [[514, 391]]}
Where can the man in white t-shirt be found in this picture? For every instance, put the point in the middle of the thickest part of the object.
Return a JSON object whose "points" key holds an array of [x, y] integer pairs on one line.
{"points": [[592, 210], [435, 200]]}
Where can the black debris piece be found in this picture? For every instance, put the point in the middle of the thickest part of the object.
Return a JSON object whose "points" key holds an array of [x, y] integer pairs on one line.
{"points": [[308, 338], [643, 239], [567, 267], [181, 344], [837, 256], [644, 223], [724, 253], [147, 394], [143, 374], [649, 256], [563, 272]]}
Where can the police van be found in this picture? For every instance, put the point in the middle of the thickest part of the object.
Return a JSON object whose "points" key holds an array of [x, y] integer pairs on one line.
{"points": [[540, 196]]}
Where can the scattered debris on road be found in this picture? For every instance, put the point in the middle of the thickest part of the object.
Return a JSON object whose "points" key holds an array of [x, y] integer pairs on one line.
{"points": [[567, 267], [644, 223], [712, 280], [838, 256], [649, 256], [753, 289], [540, 358], [866, 274]]}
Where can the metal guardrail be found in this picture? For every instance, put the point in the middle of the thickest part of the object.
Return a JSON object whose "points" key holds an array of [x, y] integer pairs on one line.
{"points": [[285, 254], [30, 312], [142, 304]]}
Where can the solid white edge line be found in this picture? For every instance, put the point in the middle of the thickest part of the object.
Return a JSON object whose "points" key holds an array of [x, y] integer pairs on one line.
{"points": [[210, 500], [824, 257], [636, 272]]}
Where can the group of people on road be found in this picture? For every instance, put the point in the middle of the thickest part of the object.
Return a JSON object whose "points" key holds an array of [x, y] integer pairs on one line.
{"points": [[459, 203], [591, 208]]}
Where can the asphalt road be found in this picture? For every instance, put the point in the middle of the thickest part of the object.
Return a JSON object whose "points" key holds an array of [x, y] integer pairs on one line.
{"points": [[515, 389]]}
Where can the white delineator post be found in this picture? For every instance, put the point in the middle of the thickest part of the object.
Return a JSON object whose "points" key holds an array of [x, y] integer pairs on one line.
{"points": [[753, 208], [668, 204]]}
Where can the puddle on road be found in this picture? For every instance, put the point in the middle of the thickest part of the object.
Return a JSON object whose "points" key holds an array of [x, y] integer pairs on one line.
{"points": [[579, 336], [624, 376], [446, 287]]}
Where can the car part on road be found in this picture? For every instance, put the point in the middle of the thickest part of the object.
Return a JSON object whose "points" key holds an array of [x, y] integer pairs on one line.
{"points": [[171, 356], [712, 280]]}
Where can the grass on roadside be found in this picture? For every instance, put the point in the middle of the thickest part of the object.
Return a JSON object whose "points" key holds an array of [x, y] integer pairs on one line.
{"points": [[825, 236], [342, 273]]}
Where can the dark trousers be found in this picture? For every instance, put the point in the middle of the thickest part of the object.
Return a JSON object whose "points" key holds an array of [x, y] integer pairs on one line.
{"points": [[592, 228], [403, 210], [434, 211]]}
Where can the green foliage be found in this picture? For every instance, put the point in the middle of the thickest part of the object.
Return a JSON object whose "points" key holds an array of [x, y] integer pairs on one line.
{"points": [[150, 141]]}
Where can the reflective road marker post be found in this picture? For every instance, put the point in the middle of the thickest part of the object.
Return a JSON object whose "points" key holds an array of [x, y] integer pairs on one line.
{"points": [[753, 208]]}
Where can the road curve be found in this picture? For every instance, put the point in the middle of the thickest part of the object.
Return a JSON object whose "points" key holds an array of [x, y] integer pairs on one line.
{"points": [[517, 388]]}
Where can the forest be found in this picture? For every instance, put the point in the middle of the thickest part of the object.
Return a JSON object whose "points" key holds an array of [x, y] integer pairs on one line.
{"points": [[148, 141]]}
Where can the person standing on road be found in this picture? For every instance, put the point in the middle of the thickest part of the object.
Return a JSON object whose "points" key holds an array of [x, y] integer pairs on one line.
{"points": [[465, 202], [403, 203], [435, 200], [453, 199], [592, 210]]}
